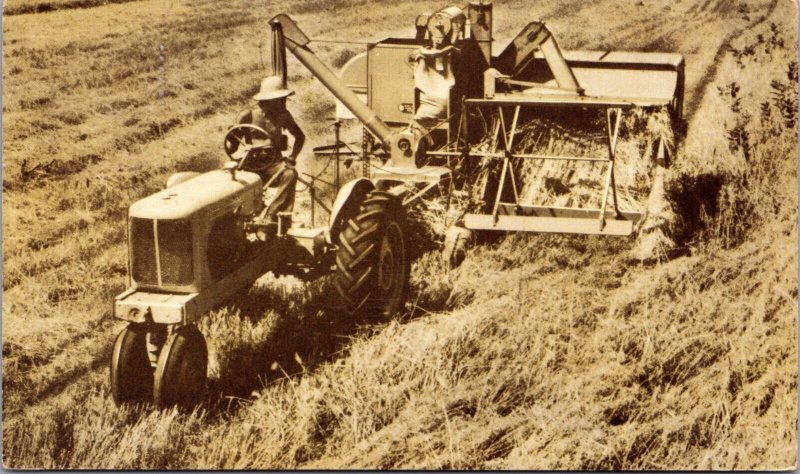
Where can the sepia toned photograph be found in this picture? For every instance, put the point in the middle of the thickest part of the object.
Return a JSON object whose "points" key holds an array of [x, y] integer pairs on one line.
{"points": [[400, 235]]}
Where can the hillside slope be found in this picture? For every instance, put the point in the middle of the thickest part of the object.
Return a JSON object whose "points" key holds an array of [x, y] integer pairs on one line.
{"points": [[538, 352]]}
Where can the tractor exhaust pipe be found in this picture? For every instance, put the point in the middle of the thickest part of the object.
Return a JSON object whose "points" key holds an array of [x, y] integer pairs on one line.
{"points": [[285, 31]]}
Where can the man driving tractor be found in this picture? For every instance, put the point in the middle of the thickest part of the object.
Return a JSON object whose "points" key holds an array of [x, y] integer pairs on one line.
{"points": [[275, 170]]}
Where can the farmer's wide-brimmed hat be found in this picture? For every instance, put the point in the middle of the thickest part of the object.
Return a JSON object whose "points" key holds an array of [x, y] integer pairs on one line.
{"points": [[272, 88]]}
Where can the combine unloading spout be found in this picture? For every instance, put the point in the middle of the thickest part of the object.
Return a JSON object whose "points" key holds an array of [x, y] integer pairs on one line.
{"points": [[297, 42]]}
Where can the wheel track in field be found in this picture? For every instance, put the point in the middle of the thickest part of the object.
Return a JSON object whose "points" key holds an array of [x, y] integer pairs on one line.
{"points": [[46, 7], [702, 87], [94, 341], [62, 382]]}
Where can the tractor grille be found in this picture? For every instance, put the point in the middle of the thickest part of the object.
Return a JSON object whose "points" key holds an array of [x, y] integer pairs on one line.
{"points": [[171, 253]]}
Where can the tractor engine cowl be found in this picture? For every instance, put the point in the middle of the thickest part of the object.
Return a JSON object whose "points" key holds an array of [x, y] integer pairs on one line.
{"points": [[174, 233]]}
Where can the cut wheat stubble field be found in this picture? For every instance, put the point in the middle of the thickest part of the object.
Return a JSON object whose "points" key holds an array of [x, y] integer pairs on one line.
{"points": [[539, 352]]}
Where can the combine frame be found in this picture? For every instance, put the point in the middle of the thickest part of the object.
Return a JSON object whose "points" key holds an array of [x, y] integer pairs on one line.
{"points": [[532, 72]]}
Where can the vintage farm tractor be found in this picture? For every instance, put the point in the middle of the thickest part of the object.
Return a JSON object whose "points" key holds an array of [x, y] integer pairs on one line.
{"points": [[202, 239]]}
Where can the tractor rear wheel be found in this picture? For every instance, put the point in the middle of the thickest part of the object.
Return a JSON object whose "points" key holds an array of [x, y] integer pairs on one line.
{"points": [[131, 372], [372, 265], [180, 376]]}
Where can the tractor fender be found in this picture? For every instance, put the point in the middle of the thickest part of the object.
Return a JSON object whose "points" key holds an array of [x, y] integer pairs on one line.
{"points": [[178, 178], [347, 202]]}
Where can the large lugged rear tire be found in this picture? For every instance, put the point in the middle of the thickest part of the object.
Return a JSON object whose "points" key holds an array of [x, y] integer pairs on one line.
{"points": [[372, 265]]}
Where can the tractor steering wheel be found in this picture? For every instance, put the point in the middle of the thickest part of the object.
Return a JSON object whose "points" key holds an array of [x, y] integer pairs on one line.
{"points": [[244, 138]]}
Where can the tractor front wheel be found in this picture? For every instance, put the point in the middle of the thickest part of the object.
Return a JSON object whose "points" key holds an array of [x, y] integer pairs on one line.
{"points": [[180, 375], [372, 266], [131, 372]]}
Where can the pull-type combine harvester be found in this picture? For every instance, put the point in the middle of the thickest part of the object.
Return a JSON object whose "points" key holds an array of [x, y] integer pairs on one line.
{"points": [[425, 99]]}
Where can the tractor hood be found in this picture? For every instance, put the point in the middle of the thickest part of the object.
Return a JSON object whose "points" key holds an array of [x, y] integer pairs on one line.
{"points": [[200, 193]]}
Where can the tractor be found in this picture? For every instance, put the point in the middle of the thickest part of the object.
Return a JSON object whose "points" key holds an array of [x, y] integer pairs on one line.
{"points": [[202, 239]]}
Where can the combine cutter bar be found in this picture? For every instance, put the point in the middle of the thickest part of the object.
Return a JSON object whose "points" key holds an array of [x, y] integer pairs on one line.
{"points": [[520, 218], [558, 225]]}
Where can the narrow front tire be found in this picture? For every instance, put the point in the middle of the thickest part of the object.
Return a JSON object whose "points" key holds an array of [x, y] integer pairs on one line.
{"points": [[180, 376], [131, 372]]}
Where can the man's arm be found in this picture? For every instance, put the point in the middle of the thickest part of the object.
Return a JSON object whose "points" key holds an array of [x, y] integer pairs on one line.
{"points": [[297, 133], [245, 116]]}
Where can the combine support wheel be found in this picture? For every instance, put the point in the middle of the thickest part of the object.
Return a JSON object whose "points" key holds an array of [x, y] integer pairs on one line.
{"points": [[456, 242], [180, 376], [131, 372], [372, 265]]}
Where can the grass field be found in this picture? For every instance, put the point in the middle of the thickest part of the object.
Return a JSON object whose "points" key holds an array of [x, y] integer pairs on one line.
{"points": [[539, 352]]}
